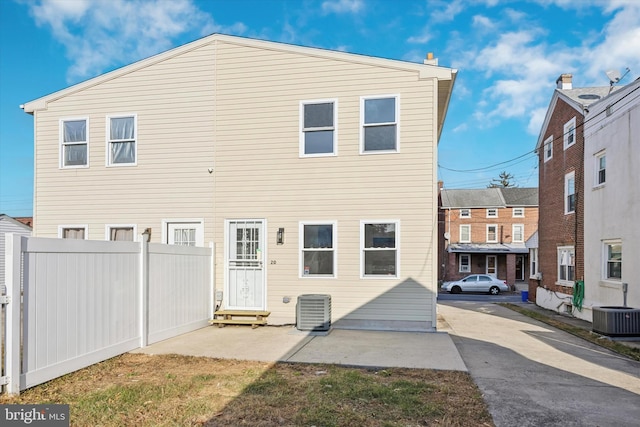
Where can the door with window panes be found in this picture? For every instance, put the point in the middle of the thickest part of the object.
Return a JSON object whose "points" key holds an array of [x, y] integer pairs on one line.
{"points": [[245, 265]]}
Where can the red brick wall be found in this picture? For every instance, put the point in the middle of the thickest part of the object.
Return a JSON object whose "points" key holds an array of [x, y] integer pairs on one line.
{"points": [[555, 228]]}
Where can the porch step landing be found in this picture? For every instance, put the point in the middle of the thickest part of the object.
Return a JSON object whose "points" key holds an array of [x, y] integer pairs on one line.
{"points": [[240, 317]]}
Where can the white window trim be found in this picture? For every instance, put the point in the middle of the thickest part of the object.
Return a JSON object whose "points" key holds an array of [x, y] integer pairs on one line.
{"points": [[397, 123], [567, 128], [558, 254], [108, 227], [605, 260], [199, 229], [492, 216], [108, 139], [460, 270], [334, 128], [544, 148], [64, 226], [379, 221], [465, 226], [334, 248], [61, 142], [517, 216], [513, 233], [596, 177], [533, 257], [468, 213], [492, 225], [567, 178]]}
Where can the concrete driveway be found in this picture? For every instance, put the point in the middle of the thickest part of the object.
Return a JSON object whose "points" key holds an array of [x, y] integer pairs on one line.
{"points": [[534, 375]]}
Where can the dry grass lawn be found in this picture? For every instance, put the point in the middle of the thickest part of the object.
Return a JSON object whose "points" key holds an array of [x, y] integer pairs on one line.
{"points": [[143, 390]]}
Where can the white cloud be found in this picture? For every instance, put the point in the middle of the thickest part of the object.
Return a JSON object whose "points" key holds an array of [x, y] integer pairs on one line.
{"points": [[536, 119], [461, 128], [483, 22], [448, 12], [423, 37], [343, 6], [99, 35]]}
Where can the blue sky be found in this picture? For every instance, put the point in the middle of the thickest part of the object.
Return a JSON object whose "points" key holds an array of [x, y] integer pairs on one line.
{"points": [[508, 53]]}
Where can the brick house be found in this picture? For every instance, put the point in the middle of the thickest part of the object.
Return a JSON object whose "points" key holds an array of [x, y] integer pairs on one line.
{"points": [[485, 230], [560, 150]]}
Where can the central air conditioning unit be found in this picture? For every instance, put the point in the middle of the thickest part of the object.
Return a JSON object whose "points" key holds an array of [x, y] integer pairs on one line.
{"points": [[313, 312], [616, 321]]}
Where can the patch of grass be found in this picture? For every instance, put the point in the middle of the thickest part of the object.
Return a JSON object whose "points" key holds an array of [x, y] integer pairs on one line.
{"points": [[143, 390], [625, 350]]}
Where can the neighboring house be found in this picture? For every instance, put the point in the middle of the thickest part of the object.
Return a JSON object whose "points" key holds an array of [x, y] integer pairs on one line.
{"points": [[612, 200], [560, 149], [313, 171], [485, 231], [10, 225]]}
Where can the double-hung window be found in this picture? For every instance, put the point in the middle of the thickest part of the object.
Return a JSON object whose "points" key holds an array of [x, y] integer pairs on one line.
{"points": [[465, 263], [533, 259], [492, 233], [548, 148], [73, 232], [518, 233], [569, 133], [613, 260], [379, 243], [566, 264], [518, 212], [465, 213], [318, 244], [379, 124], [570, 193], [121, 233], [465, 233], [492, 213], [601, 168], [121, 142], [74, 143], [318, 128]]}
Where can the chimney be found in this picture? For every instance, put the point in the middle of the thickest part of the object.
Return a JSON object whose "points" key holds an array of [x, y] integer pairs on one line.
{"points": [[440, 186], [564, 81], [430, 59]]}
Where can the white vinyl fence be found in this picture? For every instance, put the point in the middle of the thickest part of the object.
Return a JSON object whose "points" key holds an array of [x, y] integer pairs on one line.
{"points": [[86, 301]]}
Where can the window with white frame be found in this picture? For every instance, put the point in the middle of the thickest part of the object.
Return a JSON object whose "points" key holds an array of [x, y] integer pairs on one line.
{"points": [[492, 233], [119, 232], [465, 213], [569, 133], [73, 232], [492, 213], [121, 142], [379, 243], [465, 233], [613, 260], [318, 249], [570, 193], [548, 148], [465, 263], [518, 212], [74, 143], [601, 168], [318, 128], [566, 264], [517, 235], [379, 124], [533, 262]]}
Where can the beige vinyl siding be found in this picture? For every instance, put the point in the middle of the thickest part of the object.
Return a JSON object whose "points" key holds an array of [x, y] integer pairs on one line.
{"points": [[174, 104], [259, 175]]}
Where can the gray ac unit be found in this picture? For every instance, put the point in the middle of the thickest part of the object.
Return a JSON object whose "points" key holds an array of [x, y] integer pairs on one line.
{"points": [[313, 312], [616, 321]]}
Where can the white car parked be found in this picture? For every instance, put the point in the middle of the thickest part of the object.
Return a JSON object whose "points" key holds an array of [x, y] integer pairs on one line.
{"points": [[476, 283]]}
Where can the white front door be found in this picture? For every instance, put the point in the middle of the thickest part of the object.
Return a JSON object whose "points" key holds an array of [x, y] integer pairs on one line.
{"points": [[245, 265], [492, 265]]}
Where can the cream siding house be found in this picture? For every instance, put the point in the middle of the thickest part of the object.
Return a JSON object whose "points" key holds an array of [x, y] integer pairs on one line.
{"points": [[313, 171]]}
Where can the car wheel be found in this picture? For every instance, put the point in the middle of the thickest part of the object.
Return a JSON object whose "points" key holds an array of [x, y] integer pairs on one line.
{"points": [[494, 290], [456, 290]]}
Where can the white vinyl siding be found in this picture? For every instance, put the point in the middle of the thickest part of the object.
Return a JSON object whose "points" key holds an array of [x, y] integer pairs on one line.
{"points": [[379, 124], [74, 142]]}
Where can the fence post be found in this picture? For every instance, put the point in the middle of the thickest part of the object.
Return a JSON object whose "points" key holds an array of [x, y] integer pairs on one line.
{"points": [[13, 252], [144, 291], [212, 272]]}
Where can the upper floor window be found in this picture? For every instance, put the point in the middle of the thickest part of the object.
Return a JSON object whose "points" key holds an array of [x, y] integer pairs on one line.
{"points": [[601, 168], [121, 144], [569, 193], [566, 264], [379, 124], [465, 213], [74, 143], [518, 233], [465, 233], [613, 260], [318, 257], [569, 133], [318, 128], [492, 213], [548, 148], [379, 243], [492, 233], [518, 212]]}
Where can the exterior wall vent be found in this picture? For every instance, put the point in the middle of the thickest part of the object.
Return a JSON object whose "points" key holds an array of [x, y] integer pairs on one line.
{"points": [[313, 312], [616, 321]]}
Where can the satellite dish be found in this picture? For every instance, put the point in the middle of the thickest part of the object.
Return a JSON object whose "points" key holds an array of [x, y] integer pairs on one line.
{"points": [[447, 236], [614, 76]]}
